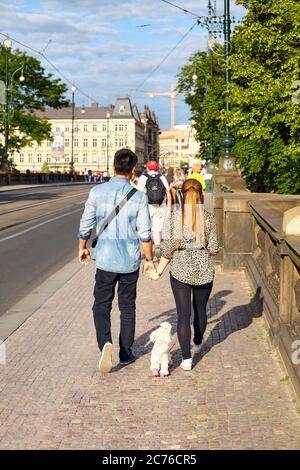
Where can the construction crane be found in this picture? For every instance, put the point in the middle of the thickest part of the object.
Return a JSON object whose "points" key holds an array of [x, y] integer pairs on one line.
{"points": [[172, 93]]}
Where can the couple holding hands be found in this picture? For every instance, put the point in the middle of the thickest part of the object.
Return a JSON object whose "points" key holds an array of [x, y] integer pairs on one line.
{"points": [[189, 242]]}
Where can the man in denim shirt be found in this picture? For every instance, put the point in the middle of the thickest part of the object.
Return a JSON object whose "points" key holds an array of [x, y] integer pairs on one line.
{"points": [[118, 254]]}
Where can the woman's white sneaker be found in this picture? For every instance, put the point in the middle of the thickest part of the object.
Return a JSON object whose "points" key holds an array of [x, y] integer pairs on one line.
{"points": [[186, 364]]}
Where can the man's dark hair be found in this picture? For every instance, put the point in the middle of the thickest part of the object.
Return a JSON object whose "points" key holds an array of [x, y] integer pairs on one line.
{"points": [[125, 160]]}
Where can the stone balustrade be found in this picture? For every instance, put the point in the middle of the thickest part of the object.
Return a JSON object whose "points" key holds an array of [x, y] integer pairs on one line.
{"points": [[260, 233], [35, 178]]}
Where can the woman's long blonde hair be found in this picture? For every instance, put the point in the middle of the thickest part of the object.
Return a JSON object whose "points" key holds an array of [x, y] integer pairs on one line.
{"points": [[193, 210]]}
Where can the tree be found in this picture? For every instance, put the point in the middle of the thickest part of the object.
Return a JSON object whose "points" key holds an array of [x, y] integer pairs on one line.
{"points": [[264, 64], [39, 90], [205, 96]]}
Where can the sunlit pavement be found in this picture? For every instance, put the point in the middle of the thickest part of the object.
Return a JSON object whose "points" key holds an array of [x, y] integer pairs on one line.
{"points": [[236, 397]]}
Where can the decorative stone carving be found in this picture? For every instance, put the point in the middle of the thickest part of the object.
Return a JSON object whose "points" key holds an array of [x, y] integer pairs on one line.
{"points": [[297, 293], [267, 259]]}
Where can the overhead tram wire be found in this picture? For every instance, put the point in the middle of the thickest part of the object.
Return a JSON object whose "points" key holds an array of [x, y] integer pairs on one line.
{"points": [[42, 54], [180, 8], [167, 56]]}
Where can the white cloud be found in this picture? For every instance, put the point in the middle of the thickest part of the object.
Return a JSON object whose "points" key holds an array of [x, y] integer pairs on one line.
{"points": [[97, 45]]}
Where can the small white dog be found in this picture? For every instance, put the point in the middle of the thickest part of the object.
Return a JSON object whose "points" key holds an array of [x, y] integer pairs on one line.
{"points": [[160, 355]]}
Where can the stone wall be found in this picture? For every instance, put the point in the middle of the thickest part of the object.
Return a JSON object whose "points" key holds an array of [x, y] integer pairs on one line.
{"points": [[260, 233]]}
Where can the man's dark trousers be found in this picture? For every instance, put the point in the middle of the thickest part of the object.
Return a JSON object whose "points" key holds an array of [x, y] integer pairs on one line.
{"points": [[104, 293]]}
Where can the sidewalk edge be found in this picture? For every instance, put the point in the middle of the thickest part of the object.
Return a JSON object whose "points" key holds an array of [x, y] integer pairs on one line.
{"points": [[13, 318]]}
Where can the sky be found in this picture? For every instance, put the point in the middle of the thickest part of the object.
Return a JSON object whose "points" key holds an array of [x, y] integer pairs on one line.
{"points": [[100, 46]]}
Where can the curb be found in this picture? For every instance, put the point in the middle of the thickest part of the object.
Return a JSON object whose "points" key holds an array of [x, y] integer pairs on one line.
{"points": [[11, 320]]}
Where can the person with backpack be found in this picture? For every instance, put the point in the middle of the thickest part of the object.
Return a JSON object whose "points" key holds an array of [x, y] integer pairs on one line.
{"points": [[156, 187], [121, 216]]}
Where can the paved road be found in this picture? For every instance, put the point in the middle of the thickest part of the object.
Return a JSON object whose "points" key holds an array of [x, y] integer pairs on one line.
{"points": [[37, 236]]}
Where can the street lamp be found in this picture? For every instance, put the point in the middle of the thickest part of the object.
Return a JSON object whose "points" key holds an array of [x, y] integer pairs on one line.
{"points": [[107, 143], [21, 79], [227, 140], [214, 24], [7, 47], [73, 89]]}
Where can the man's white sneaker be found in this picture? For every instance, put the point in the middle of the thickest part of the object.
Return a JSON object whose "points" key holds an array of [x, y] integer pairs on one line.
{"points": [[197, 348], [105, 363], [186, 364]]}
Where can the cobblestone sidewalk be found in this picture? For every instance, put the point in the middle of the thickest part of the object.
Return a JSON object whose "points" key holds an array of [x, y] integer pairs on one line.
{"points": [[236, 397]]}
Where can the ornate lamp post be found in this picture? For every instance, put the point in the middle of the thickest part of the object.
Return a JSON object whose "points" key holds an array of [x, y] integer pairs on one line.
{"points": [[4, 164], [73, 89], [8, 88], [227, 140], [216, 25]]}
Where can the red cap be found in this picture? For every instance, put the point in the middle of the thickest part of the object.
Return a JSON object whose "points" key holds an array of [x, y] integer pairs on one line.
{"points": [[152, 165]]}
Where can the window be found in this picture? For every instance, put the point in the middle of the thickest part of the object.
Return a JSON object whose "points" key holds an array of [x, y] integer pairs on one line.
{"points": [[84, 159], [76, 129], [66, 159], [75, 142], [121, 142], [67, 142], [76, 158], [103, 127], [103, 143], [57, 129], [95, 127], [85, 142], [94, 142], [85, 127], [121, 127], [94, 158], [116, 142], [67, 129], [116, 127], [39, 159], [48, 159], [21, 158]]}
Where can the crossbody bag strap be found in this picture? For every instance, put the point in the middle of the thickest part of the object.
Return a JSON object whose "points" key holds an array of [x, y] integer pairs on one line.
{"points": [[116, 211]]}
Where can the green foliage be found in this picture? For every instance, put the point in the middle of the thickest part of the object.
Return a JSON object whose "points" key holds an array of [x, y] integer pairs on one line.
{"points": [[205, 96], [264, 64], [39, 90], [263, 119]]}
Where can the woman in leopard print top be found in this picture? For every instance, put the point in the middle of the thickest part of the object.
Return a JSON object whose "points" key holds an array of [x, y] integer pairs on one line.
{"points": [[190, 241]]}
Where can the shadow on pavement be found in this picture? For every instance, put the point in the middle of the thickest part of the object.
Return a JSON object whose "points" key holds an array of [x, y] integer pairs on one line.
{"points": [[235, 319]]}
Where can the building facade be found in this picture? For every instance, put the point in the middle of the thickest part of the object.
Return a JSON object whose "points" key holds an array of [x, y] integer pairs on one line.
{"points": [[178, 146], [151, 130], [98, 133]]}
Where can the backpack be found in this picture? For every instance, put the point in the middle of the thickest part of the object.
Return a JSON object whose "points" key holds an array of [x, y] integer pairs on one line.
{"points": [[155, 189]]}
